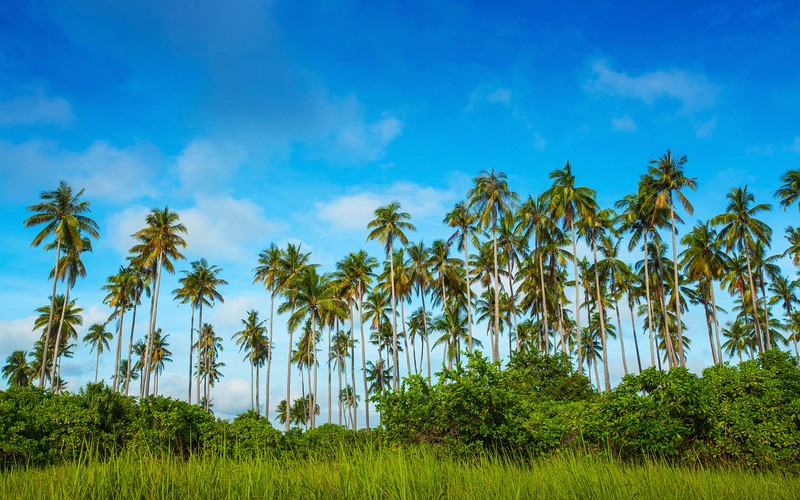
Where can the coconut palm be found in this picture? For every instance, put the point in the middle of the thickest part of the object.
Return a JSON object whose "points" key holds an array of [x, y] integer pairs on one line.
{"points": [[390, 224], [741, 230], [785, 293], [465, 223], [489, 199], [159, 244], [567, 203], [738, 339], [69, 316], [121, 289], [140, 279], [789, 192], [252, 339], [17, 371], [208, 345], [62, 213], [268, 273], [669, 181], [160, 355], [704, 261], [615, 271], [422, 280], [98, 338], [379, 377]]}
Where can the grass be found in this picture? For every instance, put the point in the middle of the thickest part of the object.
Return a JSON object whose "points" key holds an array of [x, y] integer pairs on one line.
{"points": [[387, 473]]}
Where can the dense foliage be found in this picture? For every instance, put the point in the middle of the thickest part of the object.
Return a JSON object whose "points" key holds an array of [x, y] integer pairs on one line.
{"points": [[746, 415]]}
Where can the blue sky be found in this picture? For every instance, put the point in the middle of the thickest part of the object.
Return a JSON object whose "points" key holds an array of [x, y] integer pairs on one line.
{"points": [[266, 122]]}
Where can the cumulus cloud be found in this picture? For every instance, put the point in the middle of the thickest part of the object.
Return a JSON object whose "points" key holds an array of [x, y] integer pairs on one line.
{"points": [[105, 171], [623, 124], [693, 91], [36, 109], [353, 211], [17, 334]]}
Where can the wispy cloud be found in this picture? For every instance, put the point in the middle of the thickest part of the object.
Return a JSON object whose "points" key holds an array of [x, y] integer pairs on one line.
{"points": [[795, 146], [36, 109], [623, 124], [693, 91]]}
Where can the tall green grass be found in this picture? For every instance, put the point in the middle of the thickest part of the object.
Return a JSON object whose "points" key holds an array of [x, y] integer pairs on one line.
{"points": [[386, 473]]}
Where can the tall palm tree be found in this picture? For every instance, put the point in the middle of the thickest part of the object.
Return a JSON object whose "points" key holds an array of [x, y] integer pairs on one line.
{"points": [[490, 198], [160, 355], [17, 371], [98, 338], [252, 339], [465, 223], [120, 288], [390, 224], [667, 171], [71, 268], [159, 244], [62, 213], [567, 203], [785, 293], [741, 230], [292, 264], [789, 192], [616, 272], [704, 261], [188, 294], [268, 273], [209, 345], [140, 279]]}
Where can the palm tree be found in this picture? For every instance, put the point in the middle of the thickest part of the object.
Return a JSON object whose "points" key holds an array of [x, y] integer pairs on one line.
{"points": [[741, 230], [465, 224], [268, 273], [98, 338], [379, 377], [667, 171], [158, 246], [789, 192], [71, 267], [617, 272], [490, 198], [140, 280], [252, 339], [17, 370], [120, 292], [704, 261], [738, 339], [69, 316], [291, 264], [160, 355], [208, 346], [567, 203], [391, 223], [62, 213], [188, 293], [785, 293]]}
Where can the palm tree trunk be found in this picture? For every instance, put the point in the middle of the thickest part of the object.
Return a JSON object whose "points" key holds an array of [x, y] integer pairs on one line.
{"points": [[677, 282], [153, 320], [119, 348], [716, 321], [513, 304], [258, 382], [425, 333], [577, 291], [363, 358], [313, 361], [635, 340], [667, 337], [650, 328], [496, 343], [352, 350], [204, 350], [621, 340], [130, 350], [711, 335], [339, 361], [269, 351], [601, 312], [753, 300], [252, 386], [543, 290], [97, 365], [289, 381], [395, 357], [191, 351], [143, 369], [766, 314], [564, 346], [50, 319], [58, 340], [405, 335], [469, 296]]}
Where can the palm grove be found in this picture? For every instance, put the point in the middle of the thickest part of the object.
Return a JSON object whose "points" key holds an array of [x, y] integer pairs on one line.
{"points": [[508, 264]]}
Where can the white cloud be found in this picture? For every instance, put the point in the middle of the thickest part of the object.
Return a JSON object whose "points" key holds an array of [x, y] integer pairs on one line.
{"points": [[706, 128], [490, 94], [205, 166], [105, 171], [623, 124], [499, 96], [17, 334], [693, 91], [767, 150], [357, 141], [121, 225], [224, 227], [539, 142], [35, 109], [354, 211], [795, 147]]}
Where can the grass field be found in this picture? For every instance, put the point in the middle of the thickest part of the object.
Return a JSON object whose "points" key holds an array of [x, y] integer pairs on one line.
{"points": [[388, 473]]}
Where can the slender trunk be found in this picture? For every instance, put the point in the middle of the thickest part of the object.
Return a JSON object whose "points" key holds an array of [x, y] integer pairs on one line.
{"points": [[766, 314], [753, 300], [677, 283], [621, 340], [395, 357], [577, 291], [363, 357], [191, 352], [339, 361], [596, 375], [352, 350], [58, 342], [496, 343], [153, 321], [97, 365], [716, 321], [650, 328], [710, 334], [513, 304], [258, 382], [252, 386], [199, 351], [269, 351], [601, 312], [667, 337], [130, 349], [405, 335], [469, 291], [119, 347], [635, 339], [289, 380], [544, 292], [313, 360], [564, 347], [50, 319], [143, 369], [425, 333]]}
